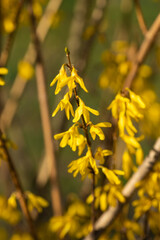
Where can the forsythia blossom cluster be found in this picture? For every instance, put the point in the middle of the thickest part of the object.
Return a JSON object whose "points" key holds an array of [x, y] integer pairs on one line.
{"points": [[127, 110], [90, 164], [73, 136]]}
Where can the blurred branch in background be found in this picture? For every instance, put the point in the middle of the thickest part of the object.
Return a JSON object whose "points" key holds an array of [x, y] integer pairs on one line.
{"points": [[142, 52], [19, 190], [45, 118], [107, 218], [19, 85], [140, 17]]}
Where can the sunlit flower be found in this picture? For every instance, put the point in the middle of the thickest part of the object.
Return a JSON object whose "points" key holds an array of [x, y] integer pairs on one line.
{"points": [[111, 175], [60, 78], [73, 138], [84, 110], [83, 165], [100, 154], [63, 80], [75, 222], [64, 104], [106, 196], [96, 130]]}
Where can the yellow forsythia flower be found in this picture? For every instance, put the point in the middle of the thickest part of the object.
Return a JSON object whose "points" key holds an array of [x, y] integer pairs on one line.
{"points": [[100, 154], [96, 130], [62, 80], [82, 109], [83, 165], [106, 196], [25, 70], [73, 138], [64, 104], [36, 202], [75, 222]]}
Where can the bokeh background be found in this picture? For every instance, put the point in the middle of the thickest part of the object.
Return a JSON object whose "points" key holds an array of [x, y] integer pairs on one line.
{"points": [[117, 32]]}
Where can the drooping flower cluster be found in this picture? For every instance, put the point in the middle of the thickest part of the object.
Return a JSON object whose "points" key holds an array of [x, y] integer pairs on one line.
{"points": [[75, 222], [73, 136], [127, 110], [78, 137]]}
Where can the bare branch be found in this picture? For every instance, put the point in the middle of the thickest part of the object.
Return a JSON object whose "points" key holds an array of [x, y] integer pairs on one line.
{"points": [[110, 215], [140, 17], [45, 118], [19, 189], [144, 49], [19, 85]]}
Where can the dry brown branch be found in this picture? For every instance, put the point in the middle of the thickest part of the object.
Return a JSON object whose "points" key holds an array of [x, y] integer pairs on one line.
{"points": [[19, 189], [19, 85], [8, 45], [45, 118], [106, 219], [140, 17], [142, 52]]}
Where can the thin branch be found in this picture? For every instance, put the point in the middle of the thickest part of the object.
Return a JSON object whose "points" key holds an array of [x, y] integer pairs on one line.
{"points": [[144, 49], [107, 218], [19, 85], [46, 125], [140, 17], [9, 42], [19, 189], [95, 21]]}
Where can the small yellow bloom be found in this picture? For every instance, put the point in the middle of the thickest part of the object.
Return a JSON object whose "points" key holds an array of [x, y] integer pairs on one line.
{"points": [[100, 154], [64, 104], [73, 138], [36, 202], [106, 196], [84, 110], [111, 175], [78, 79], [96, 130], [83, 165]]}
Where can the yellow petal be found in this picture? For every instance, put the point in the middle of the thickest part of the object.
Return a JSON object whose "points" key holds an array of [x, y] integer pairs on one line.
{"points": [[113, 179], [104, 124], [93, 111], [78, 79]]}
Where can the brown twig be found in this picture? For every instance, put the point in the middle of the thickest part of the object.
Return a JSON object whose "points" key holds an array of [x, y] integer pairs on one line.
{"points": [[46, 125], [144, 49], [19, 189], [19, 85], [9, 42], [140, 17], [107, 218]]}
